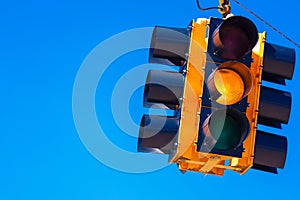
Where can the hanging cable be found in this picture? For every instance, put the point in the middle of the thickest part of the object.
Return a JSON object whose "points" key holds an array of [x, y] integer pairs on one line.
{"points": [[204, 9], [268, 24], [224, 7]]}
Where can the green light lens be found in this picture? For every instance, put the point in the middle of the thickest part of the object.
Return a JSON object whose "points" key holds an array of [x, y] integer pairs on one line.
{"points": [[225, 130]]}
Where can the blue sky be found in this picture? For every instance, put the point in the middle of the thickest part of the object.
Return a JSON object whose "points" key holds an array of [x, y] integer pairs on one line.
{"points": [[44, 43]]}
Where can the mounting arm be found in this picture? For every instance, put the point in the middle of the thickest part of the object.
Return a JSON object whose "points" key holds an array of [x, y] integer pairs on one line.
{"points": [[224, 7]]}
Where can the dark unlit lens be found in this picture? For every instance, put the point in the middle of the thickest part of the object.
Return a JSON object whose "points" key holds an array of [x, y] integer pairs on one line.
{"points": [[234, 38], [235, 41], [225, 130]]}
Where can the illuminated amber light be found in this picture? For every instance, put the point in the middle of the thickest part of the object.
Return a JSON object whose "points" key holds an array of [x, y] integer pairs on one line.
{"points": [[230, 86], [230, 83]]}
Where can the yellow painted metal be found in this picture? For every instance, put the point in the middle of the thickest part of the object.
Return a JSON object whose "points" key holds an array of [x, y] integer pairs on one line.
{"points": [[217, 166], [246, 162], [186, 155], [210, 164], [191, 103]]}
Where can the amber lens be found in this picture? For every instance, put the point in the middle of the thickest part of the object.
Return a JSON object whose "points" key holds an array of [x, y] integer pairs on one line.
{"points": [[230, 85]]}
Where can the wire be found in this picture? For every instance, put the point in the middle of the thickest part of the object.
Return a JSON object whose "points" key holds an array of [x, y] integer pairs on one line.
{"points": [[210, 8], [268, 24]]}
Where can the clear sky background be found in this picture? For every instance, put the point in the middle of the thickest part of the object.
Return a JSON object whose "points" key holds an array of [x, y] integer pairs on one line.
{"points": [[42, 46]]}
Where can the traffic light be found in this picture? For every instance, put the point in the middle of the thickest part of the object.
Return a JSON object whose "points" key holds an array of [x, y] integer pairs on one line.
{"points": [[274, 108], [218, 97], [164, 89], [223, 123]]}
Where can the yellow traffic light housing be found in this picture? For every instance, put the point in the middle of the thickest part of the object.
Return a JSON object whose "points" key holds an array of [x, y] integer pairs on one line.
{"points": [[217, 96]]}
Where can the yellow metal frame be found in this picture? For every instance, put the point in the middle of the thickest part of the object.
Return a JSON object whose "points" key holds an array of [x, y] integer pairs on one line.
{"points": [[194, 82], [186, 156], [246, 162]]}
